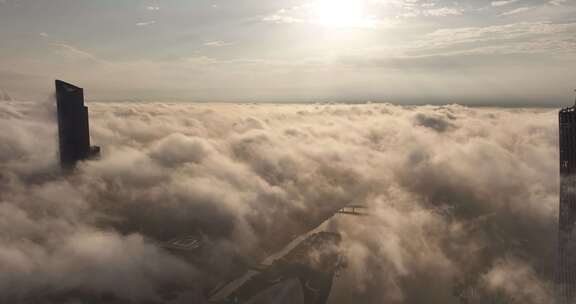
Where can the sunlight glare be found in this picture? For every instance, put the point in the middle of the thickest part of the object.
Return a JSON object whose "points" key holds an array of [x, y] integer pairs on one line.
{"points": [[341, 14]]}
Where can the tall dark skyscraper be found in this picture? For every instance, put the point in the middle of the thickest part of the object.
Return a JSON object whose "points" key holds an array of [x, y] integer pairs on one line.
{"points": [[73, 126], [567, 217]]}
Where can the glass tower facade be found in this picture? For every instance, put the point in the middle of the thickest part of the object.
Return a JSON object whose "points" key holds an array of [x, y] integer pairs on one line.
{"points": [[73, 127], [567, 211]]}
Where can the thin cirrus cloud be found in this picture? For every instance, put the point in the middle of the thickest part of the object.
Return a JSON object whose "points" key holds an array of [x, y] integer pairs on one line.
{"points": [[217, 43], [519, 10], [146, 23], [503, 3], [277, 44]]}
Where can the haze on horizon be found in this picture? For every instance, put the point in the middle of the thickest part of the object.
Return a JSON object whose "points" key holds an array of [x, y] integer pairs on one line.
{"points": [[507, 52]]}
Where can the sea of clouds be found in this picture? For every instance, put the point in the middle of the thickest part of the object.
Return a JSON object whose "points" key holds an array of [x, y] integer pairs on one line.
{"points": [[461, 201]]}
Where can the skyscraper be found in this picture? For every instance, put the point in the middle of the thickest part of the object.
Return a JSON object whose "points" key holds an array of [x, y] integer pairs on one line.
{"points": [[567, 217], [73, 126]]}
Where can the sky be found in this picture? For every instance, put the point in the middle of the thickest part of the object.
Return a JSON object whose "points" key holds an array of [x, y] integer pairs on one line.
{"points": [[475, 52]]}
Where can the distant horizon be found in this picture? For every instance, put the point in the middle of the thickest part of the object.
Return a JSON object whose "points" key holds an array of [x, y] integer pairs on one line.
{"points": [[398, 100], [423, 103]]}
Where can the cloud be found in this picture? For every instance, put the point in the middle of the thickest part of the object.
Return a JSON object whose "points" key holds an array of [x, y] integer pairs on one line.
{"points": [[499, 32], [444, 11], [518, 10], [278, 18], [503, 3], [439, 123], [459, 199], [513, 38], [217, 43], [76, 54], [558, 2], [178, 149], [433, 12], [313, 13], [518, 281], [146, 23]]}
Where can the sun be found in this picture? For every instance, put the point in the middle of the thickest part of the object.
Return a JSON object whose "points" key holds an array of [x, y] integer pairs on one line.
{"points": [[341, 14]]}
